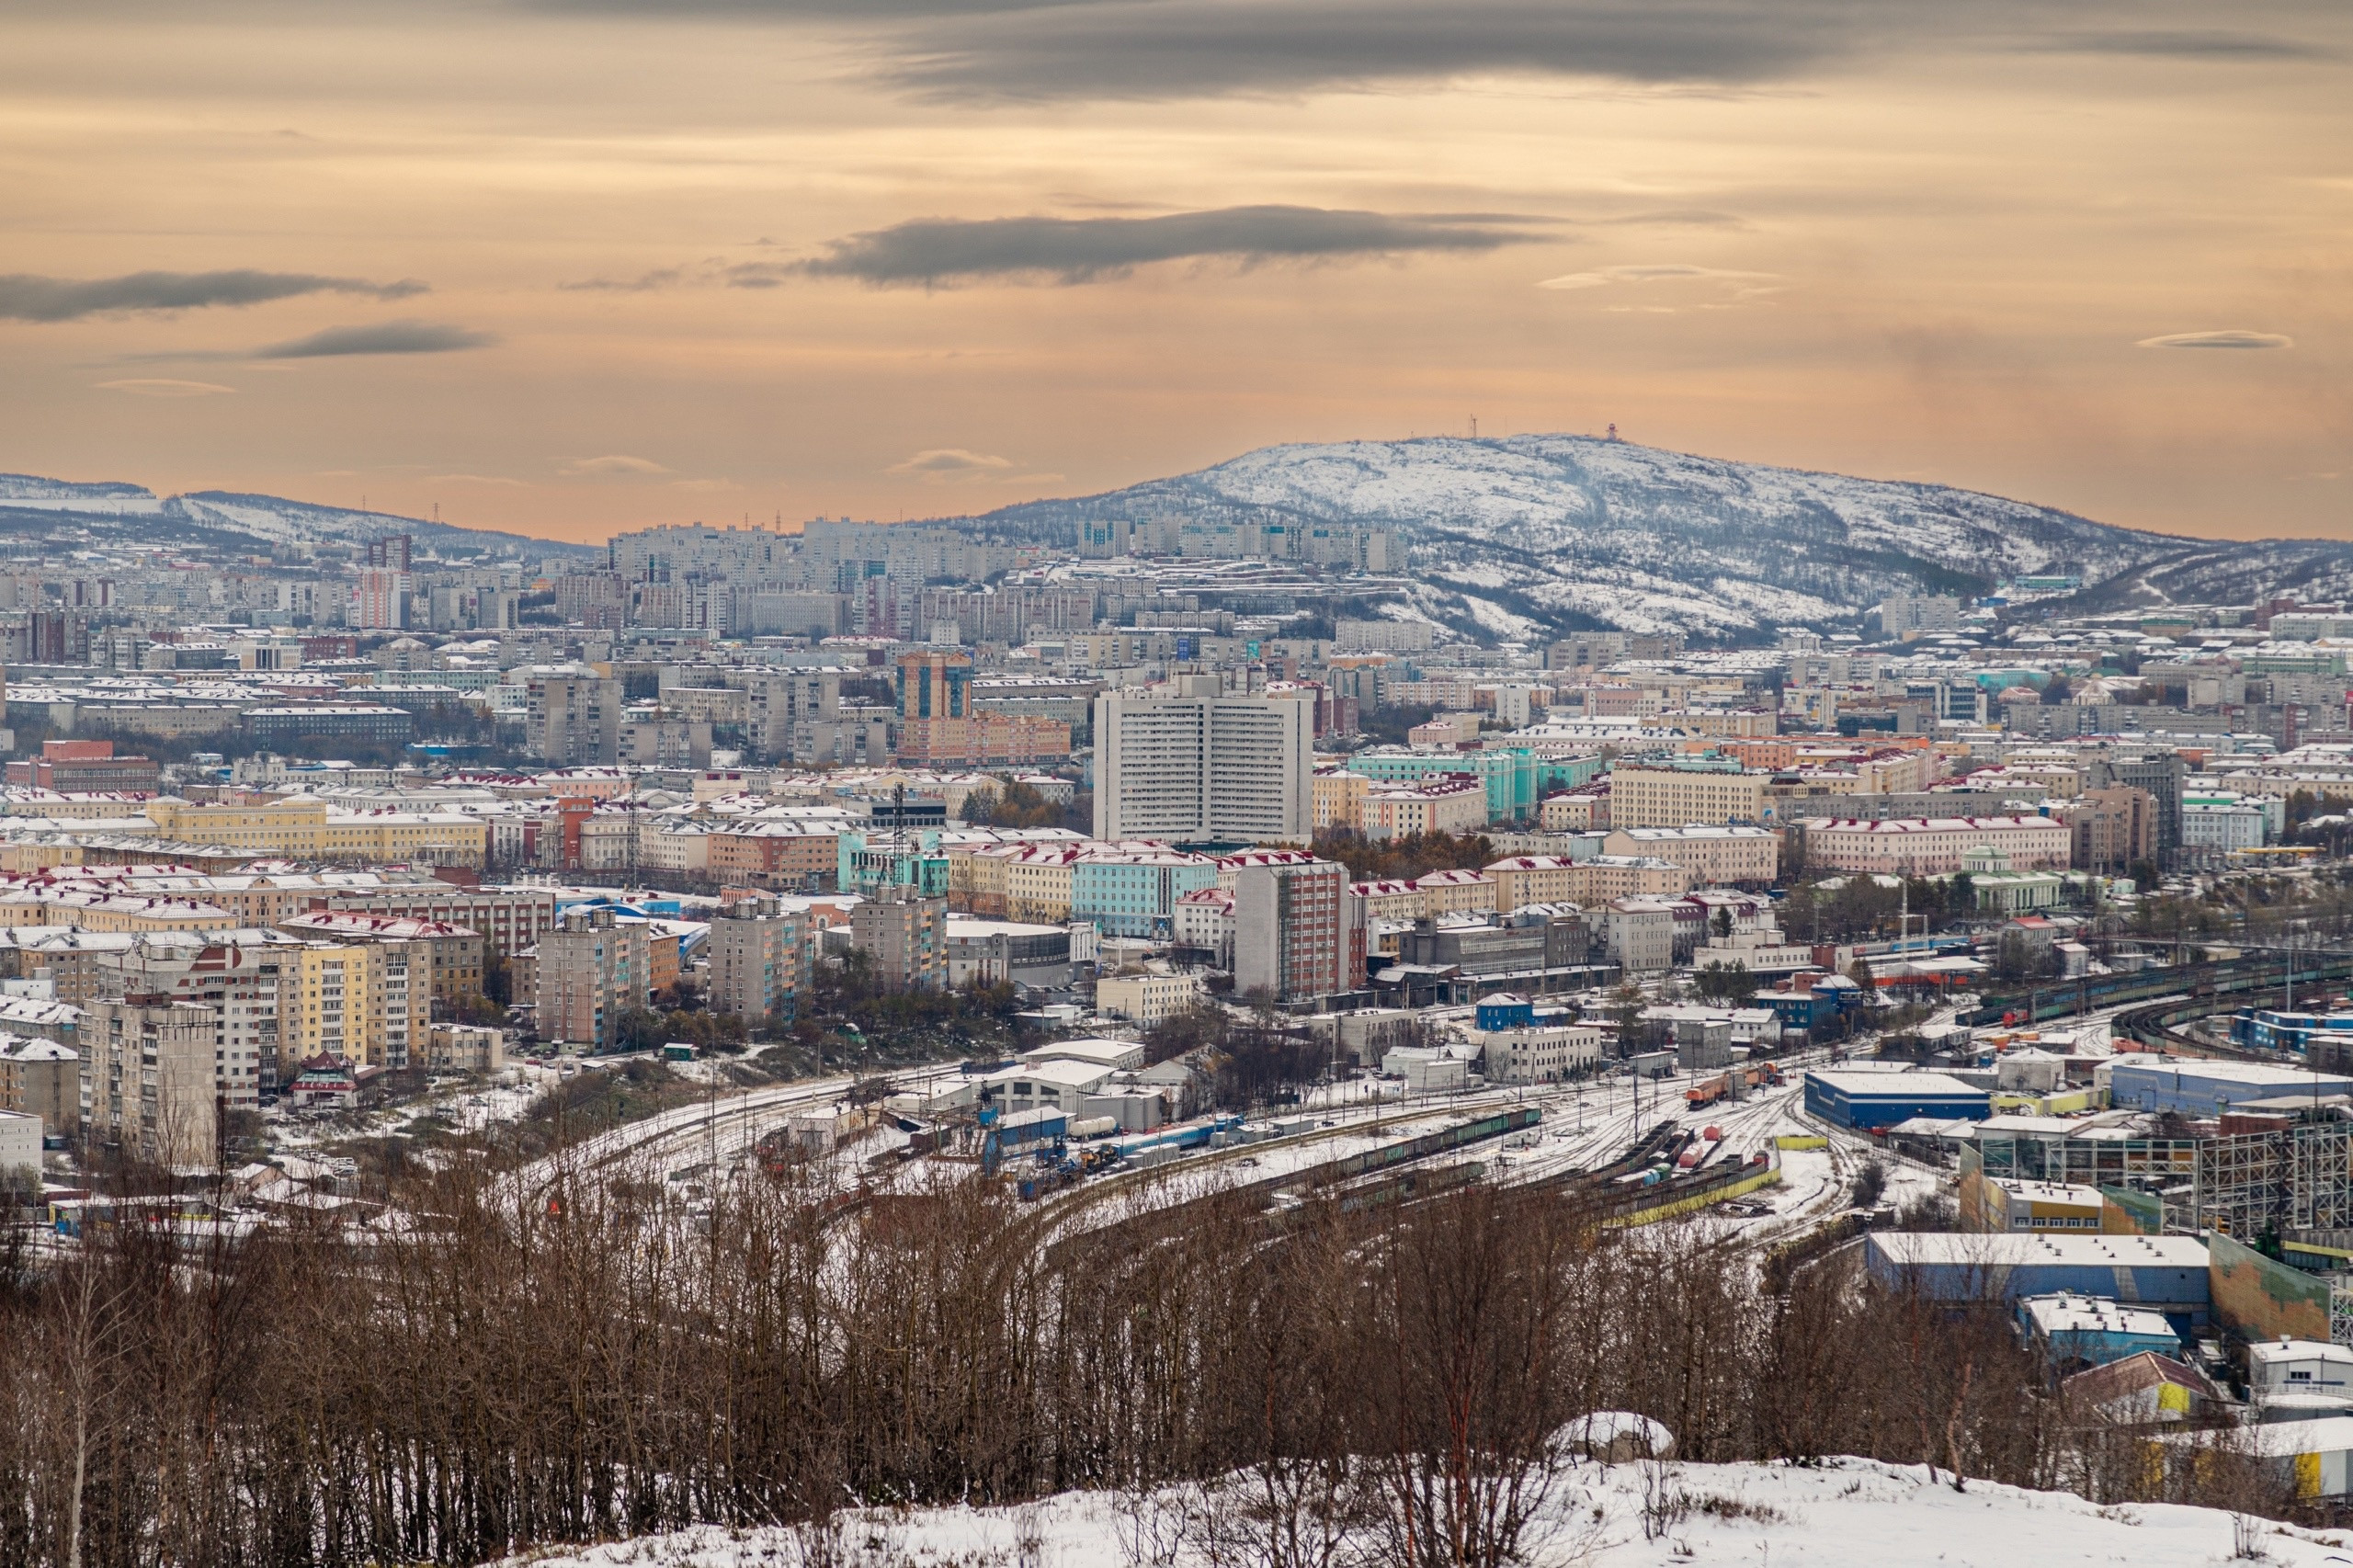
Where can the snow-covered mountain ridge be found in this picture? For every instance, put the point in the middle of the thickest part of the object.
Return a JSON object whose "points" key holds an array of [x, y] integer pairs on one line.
{"points": [[30, 504], [1525, 535]]}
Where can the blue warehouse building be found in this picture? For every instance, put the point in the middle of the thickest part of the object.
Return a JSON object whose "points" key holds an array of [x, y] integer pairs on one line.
{"points": [[2167, 1275], [2210, 1088], [1868, 1100]]}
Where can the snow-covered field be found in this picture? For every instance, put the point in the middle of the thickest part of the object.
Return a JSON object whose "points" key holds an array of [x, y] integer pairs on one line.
{"points": [[1848, 1513]]}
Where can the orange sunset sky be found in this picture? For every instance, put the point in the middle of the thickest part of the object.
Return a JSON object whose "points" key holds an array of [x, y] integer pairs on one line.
{"points": [[574, 267]]}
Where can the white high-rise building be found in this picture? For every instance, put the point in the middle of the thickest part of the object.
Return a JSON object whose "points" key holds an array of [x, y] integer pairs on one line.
{"points": [[1901, 614], [1200, 766]]}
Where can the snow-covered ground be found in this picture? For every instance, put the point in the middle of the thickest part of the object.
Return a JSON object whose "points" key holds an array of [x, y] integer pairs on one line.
{"points": [[1846, 1513]]}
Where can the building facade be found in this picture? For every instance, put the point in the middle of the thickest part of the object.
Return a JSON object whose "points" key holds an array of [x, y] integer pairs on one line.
{"points": [[1287, 929], [1203, 767], [147, 1080]]}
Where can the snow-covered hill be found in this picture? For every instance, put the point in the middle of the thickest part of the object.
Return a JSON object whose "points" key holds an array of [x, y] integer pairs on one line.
{"points": [[32, 492], [1846, 1514], [223, 519], [1529, 534]]}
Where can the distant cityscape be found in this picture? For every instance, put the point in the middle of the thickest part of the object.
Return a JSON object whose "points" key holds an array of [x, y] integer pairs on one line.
{"points": [[1069, 860]]}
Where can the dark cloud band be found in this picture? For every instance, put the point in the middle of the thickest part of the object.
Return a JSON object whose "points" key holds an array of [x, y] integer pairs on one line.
{"points": [[934, 251], [26, 297], [1065, 50], [386, 338]]}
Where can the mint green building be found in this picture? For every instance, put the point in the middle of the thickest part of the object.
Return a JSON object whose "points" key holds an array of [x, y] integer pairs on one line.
{"points": [[1515, 777]]}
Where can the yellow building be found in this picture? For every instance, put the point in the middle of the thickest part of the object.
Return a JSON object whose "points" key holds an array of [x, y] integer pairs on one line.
{"points": [[1524, 879], [1450, 893], [1725, 855], [368, 1002], [88, 910], [1037, 886], [1606, 876], [1664, 797], [1339, 797], [302, 829], [976, 876]]}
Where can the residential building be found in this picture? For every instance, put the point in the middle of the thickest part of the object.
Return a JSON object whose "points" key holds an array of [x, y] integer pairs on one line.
{"points": [[1204, 924], [904, 935], [1145, 999], [20, 1135], [305, 828], [573, 718], [1532, 879], [147, 1080], [1907, 615], [1287, 929], [937, 723], [236, 977], [590, 970], [77, 767], [1651, 795], [759, 960], [1607, 877], [2112, 828], [1339, 799], [1458, 891], [510, 918], [1641, 933], [1577, 810], [1446, 802], [284, 727], [1924, 847], [42, 1078], [1201, 766], [450, 962], [1715, 856]]}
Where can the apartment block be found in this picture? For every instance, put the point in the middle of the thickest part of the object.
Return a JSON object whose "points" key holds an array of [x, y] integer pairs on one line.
{"points": [[904, 935], [590, 970], [1673, 797], [42, 1078], [1287, 928], [573, 720], [1725, 855], [758, 960], [147, 1080]]}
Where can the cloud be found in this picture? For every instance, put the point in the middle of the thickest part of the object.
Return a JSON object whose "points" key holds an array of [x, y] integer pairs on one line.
{"points": [[661, 278], [2228, 338], [759, 273], [25, 296], [945, 464], [1662, 272], [1160, 48], [612, 463], [151, 386], [2188, 43], [383, 337], [797, 10], [1096, 49], [933, 251]]}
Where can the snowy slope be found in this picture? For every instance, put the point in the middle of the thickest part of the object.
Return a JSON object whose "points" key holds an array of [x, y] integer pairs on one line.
{"points": [[32, 492], [1846, 1514], [1517, 536], [220, 518]]}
